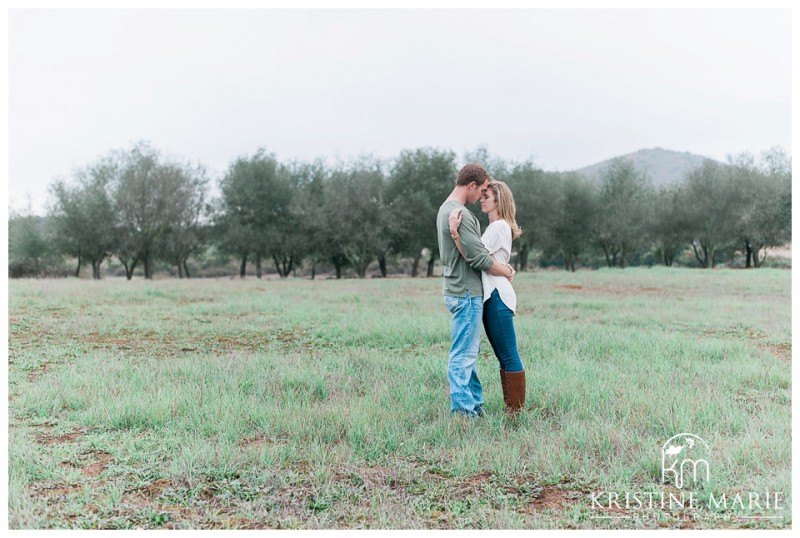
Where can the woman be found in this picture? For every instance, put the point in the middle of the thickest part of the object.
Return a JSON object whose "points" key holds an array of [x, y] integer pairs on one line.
{"points": [[499, 299]]}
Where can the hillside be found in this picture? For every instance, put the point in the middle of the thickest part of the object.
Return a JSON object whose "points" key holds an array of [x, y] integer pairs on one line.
{"points": [[663, 166]]}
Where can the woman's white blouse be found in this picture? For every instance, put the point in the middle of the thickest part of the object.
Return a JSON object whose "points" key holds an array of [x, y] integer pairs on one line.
{"points": [[497, 239]]}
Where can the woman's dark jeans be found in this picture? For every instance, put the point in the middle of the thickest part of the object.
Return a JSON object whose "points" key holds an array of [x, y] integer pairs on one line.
{"points": [[498, 320]]}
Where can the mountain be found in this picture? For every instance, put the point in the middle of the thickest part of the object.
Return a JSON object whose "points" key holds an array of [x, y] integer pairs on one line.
{"points": [[663, 166]]}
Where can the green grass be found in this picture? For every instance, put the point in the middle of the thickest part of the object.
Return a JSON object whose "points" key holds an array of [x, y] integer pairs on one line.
{"points": [[323, 404]]}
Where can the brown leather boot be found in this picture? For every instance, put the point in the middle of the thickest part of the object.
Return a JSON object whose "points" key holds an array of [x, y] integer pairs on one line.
{"points": [[504, 385], [515, 388]]}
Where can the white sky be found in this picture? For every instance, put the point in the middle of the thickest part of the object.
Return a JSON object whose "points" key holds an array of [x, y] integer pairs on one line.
{"points": [[566, 87]]}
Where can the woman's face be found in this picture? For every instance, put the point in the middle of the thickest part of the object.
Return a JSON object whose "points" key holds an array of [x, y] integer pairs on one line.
{"points": [[489, 201]]}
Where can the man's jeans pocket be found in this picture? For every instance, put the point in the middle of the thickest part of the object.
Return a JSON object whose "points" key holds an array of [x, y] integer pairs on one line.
{"points": [[452, 303]]}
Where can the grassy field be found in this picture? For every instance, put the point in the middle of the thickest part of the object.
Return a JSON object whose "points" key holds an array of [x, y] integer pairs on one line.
{"points": [[323, 404]]}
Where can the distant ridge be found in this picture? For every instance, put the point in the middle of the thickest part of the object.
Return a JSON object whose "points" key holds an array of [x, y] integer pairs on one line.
{"points": [[663, 166]]}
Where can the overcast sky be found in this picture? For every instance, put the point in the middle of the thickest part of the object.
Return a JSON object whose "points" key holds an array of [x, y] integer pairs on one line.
{"points": [[568, 88]]}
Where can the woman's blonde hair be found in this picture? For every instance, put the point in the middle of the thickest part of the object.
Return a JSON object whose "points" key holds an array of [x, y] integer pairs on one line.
{"points": [[506, 208]]}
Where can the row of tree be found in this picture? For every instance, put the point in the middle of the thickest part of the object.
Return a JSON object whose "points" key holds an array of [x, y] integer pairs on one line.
{"points": [[141, 207]]}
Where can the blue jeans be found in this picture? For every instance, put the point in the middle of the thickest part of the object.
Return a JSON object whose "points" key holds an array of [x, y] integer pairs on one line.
{"points": [[466, 392], [498, 320]]}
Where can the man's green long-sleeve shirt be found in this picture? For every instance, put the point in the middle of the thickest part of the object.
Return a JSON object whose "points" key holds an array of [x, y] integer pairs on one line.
{"points": [[460, 274]]}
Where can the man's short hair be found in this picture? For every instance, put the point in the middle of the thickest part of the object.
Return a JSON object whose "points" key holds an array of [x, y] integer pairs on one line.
{"points": [[472, 172]]}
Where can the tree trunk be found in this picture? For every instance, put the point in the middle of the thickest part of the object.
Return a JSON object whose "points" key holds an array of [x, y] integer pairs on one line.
{"points": [[313, 269], [258, 266], [129, 267], [382, 264], [180, 269], [748, 252], [277, 266], [523, 257], [78, 270], [96, 264], [415, 266], [668, 256], [702, 261], [607, 254], [568, 266], [284, 265], [431, 264], [186, 268], [622, 257], [289, 268], [243, 266], [757, 260], [148, 267], [337, 263]]}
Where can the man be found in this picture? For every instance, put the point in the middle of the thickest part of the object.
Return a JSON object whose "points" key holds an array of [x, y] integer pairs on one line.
{"points": [[463, 292]]}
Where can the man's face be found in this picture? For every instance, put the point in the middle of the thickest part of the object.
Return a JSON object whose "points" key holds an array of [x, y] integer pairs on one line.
{"points": [[475, 192]]}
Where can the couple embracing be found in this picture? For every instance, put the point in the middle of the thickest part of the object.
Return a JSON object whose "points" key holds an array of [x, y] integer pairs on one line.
{"points": [[477, 288]]}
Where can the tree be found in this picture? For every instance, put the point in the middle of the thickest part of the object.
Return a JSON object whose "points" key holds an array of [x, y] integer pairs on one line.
{"points": [[284, 235], [419, 181], [712, 206], [184, 235], [252, 193], [534, 194], [618, 227], [83, 215], [150, 196], [311, 228], [665, 224], [355, 215], [570, 227], [31, 249], [232, 236], [766, 212], [497, 167], [135, 203]]}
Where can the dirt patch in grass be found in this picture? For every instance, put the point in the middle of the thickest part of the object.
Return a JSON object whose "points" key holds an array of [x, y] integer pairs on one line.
{"points": [[782, 351], [259, 441], [52, 491], [371, 477], [614, 291], [554, 498], [39, 371], [49, 440], [170, 346], [252, 342], [478, 479], [153, 490], [138, 342], [95, 469]]}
